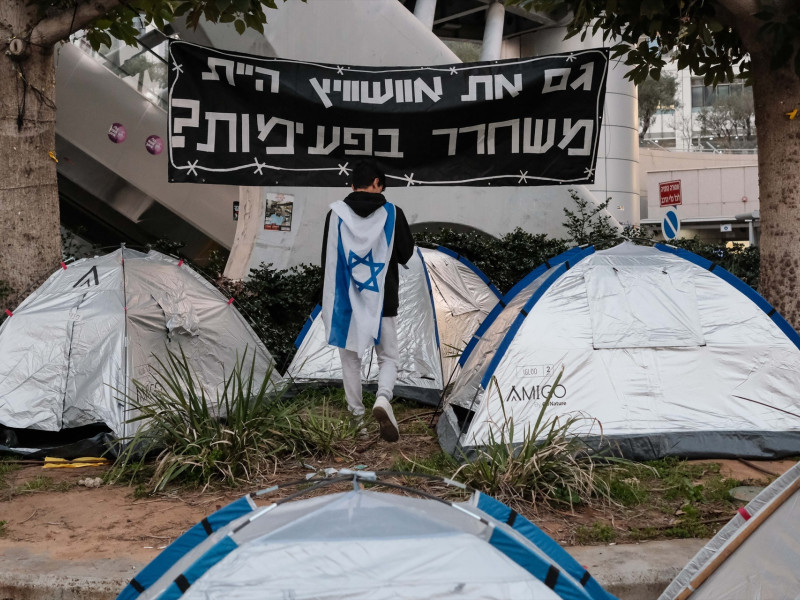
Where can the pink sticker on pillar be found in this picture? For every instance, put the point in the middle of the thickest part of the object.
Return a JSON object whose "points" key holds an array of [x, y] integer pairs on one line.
{"points": [[117, 133], [154, 144]]}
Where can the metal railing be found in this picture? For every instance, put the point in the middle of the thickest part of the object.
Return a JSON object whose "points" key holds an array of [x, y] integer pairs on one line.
{"points": [[705, 146]]}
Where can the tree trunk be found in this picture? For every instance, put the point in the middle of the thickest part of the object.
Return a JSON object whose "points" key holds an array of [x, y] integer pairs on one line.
{"points": [[776, 93], [30, 241]]}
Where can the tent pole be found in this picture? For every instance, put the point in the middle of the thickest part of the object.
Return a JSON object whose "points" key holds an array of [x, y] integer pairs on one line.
{"points": [[440, 405], [751, 526], [124, 350]]}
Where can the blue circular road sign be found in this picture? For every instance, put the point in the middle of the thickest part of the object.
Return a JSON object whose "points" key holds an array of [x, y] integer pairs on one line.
{"points": [[670, 226]]}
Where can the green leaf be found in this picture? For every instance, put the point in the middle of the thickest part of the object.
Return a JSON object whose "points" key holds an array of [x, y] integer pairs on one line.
{"points": [[240, 26], [253, 22], [182, 8], [211, 13]]}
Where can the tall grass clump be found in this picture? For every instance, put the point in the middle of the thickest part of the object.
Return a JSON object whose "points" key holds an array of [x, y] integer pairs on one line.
{"points": [[324, 427], [230, 439], [546, 462]]}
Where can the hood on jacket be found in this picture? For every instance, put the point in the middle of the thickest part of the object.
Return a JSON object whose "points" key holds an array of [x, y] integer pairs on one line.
{"points": [[364, 203]]}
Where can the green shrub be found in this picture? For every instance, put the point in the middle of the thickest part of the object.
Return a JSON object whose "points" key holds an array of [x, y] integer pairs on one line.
{"points": [[741, 260], [546, 462], [589, 224], [277, 303], [324, 428], [202, 440], [504, 260]]}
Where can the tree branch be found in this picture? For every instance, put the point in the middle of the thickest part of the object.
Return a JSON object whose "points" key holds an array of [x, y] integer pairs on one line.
{"points": [[53, 29]]}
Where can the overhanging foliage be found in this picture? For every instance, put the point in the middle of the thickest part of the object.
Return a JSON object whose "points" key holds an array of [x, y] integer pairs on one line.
{"points": [[701, 35]]}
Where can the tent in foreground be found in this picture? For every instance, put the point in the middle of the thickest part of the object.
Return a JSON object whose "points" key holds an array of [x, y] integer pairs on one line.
{"points": [[670, 353], [364, 544], [754, 556], [419, 372], [70, 352]]}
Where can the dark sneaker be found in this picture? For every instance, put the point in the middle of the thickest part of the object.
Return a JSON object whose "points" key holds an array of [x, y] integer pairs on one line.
{"points": [[383, 414]]}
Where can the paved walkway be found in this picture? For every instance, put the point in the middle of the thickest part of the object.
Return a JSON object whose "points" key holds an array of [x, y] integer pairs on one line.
{"points": [[630, 571]]}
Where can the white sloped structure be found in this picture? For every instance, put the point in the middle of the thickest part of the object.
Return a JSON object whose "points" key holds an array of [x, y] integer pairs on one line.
{"points": [[463, 296], [70, 352], [419, 372], [754, 556], [365, 545], [671, 354]]}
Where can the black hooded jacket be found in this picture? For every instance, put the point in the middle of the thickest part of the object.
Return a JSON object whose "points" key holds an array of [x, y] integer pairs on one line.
{"points": [[364, 204]]}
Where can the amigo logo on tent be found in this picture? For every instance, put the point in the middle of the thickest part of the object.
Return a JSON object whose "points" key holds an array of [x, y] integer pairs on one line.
{"points": [[536, 392]]}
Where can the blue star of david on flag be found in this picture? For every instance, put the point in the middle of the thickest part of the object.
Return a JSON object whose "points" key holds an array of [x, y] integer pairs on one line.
{"points": [[371, 283]]}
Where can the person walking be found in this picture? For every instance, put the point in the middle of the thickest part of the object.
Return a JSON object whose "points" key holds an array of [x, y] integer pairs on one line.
{"points": [[364, 240]]}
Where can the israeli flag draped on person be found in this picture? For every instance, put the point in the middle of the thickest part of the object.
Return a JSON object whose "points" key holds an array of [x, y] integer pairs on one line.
{"points": [[357, 259]]}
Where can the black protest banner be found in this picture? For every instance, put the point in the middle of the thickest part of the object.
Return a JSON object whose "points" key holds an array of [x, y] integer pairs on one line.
{"points": [[246, 120]]}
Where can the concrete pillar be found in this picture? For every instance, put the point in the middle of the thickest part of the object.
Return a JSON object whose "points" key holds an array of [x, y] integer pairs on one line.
{"points": [[493, 32], [250, 224], [424, 11], [617, 174]]}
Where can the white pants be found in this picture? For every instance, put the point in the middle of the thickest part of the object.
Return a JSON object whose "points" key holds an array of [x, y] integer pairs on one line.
{"points": [[388, 357]]}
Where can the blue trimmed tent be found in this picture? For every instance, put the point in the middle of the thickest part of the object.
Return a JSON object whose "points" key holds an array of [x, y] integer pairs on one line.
{"points": [[669, 353], [463, 296], [365, 544], [443, 299]]}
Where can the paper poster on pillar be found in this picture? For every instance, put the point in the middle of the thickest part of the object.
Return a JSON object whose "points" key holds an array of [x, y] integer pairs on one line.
{"points": [[281, 218], [240, 119], [278, 212]]}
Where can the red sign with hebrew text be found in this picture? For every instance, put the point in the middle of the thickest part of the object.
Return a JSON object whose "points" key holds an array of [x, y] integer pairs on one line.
{"points": [[669, 193]]}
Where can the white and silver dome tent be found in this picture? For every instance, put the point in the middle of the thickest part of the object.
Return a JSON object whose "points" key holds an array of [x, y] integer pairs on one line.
{"points": [[70, 352], [671, 354], [364, 544], [754, 555], [419, 373], [463, 296]]}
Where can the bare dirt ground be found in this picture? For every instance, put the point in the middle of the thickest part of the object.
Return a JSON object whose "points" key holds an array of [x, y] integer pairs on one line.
{"points": [[47, 511]]}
